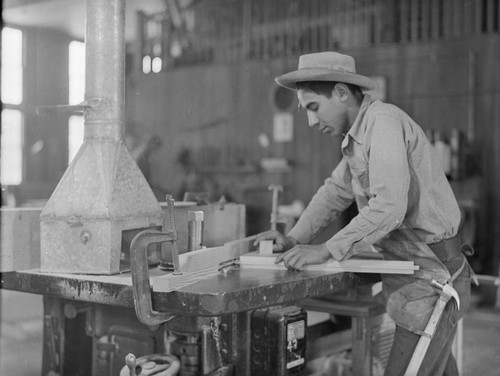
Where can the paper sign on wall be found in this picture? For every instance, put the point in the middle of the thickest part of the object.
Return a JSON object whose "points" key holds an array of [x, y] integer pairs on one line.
{"points": [[283, 127]]}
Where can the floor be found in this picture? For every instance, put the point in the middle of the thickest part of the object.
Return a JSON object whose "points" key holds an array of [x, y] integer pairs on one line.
{"points": [[21, 337]]}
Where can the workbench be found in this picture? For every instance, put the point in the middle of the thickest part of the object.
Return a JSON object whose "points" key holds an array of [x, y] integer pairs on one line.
{"points": [[233, 293]]}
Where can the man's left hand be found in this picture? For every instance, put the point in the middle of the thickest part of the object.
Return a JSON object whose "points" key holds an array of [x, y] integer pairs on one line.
{"points": [[302, 255]]}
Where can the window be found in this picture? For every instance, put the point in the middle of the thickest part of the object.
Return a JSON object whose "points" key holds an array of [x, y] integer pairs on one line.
{"points": [[12, 147], [12, 66], [76, 72], [76, 96], [75, 135], [11, 154]]}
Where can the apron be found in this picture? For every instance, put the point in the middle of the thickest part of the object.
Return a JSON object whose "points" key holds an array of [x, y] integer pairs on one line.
{"points": [[410, 299]]}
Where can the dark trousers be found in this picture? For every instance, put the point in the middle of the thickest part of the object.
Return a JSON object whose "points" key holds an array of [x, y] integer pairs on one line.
{"points": [[438, 360]]}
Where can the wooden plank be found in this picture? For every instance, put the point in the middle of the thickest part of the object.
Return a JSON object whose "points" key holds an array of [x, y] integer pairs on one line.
{"points": [[257, 261], [403, 19], [202, 263], [435, 19], [204, 258], [172, 282], [266, 247], [241, 246], [327, 345]]}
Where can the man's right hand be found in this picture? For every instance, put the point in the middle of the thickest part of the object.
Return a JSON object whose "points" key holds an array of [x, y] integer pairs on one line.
{"points": [[282, 242]]}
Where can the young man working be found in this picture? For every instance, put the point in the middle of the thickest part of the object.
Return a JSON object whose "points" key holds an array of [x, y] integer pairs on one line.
{"points": [[406, 208]]}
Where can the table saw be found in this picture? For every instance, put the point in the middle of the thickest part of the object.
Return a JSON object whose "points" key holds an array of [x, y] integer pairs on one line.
{"points": [[90, 323]]}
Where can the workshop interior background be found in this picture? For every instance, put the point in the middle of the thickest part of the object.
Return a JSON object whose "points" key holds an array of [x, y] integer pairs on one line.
{"points": [[203, 113]]}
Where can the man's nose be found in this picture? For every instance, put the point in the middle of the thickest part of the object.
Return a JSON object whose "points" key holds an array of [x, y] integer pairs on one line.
{"points": [[312, 119]]}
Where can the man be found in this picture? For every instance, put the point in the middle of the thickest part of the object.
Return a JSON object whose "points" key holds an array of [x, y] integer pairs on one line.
{"points": [[406, 208]]}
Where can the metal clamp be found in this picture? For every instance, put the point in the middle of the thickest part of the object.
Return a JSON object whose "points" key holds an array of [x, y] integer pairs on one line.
{"points": [[140, 275]]}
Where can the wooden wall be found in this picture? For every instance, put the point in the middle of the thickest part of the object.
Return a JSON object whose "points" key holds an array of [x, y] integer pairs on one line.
{"points": [[218, 113]]}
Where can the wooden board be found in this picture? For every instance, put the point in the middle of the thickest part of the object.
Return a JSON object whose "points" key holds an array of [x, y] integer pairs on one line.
{"points": [[257, 261], [202, 263]]}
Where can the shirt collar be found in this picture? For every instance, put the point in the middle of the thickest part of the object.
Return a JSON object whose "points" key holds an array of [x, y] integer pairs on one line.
{"points": [[357, 130]]}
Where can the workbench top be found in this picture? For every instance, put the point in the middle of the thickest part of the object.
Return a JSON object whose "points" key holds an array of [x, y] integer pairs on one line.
{"points": [[237, 290]]}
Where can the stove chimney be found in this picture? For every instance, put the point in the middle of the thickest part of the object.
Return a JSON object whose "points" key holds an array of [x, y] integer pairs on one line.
{"points": [[103, 193]]}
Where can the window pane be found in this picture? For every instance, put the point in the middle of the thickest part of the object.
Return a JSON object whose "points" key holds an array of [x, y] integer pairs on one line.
{"points": [[75, 135], [76, 72], [11, 147], [12, 66]]}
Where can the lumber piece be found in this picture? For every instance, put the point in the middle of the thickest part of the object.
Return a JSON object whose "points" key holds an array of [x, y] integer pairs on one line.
{"points": [[257, 261], [266, 247], [172, 282], [202, 263], [207, 258], [241, 246]]}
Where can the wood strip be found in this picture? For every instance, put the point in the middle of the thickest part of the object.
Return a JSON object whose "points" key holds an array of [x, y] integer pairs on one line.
{"points": [[208, 258], [254, 260], [202, 263], [172, 282], [403, 19], [435, 20]]}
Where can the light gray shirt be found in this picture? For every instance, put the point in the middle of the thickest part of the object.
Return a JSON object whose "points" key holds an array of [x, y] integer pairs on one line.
{"points": [[390, 169]]}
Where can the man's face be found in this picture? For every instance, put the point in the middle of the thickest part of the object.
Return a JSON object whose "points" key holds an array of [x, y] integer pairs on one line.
{"points": [[328, 115]]}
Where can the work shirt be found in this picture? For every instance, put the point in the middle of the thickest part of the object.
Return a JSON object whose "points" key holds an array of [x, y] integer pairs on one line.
{"points": [[390, 169]]}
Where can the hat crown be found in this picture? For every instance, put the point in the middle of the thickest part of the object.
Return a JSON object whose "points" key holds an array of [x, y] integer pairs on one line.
{"points": [[325, 66], [328, 60]]}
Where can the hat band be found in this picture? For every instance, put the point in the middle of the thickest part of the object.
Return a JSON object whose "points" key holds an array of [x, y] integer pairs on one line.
{"points": [[337, 68]]}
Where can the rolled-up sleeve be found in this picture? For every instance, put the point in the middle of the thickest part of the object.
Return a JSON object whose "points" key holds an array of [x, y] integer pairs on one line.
{"points": [[389, 181]]}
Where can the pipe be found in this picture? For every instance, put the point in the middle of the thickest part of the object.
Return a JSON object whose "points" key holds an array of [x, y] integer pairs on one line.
{"points": [[105, 69]]}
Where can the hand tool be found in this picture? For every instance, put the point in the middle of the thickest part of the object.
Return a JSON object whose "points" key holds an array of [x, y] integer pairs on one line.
{"points": [[274, 212], [446, 292], [140, 275], [165, 265]]}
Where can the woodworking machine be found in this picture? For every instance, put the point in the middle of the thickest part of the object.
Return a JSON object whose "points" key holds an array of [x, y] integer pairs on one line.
{"points": [[121, 294], [224, 320]]}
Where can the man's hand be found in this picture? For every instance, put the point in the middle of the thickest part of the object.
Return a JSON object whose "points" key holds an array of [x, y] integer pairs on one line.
{"points": [[282, 242], [302, 255]]}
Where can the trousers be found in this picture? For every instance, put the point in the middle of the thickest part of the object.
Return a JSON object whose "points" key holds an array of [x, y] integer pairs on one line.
{"points": [[438, 360]]}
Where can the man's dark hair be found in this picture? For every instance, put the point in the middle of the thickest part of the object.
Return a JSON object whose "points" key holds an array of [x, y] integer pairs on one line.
{"points": [[325, 87]]}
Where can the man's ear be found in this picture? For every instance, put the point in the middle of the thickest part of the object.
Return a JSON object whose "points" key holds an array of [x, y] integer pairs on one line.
{"points": [[342, 91]]}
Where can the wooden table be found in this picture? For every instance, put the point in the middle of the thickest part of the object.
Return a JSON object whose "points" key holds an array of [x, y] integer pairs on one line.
{"points": [[235, 293]]}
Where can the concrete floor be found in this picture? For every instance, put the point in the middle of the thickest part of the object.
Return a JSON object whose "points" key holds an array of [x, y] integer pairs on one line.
{"points": [[21, 337]]}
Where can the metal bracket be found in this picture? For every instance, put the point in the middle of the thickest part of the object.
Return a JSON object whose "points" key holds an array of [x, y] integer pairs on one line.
{"points": [[140, 275], [94, 103]]}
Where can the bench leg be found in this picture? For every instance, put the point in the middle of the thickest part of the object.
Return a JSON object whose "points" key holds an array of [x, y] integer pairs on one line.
{"points": [[361, 347]]}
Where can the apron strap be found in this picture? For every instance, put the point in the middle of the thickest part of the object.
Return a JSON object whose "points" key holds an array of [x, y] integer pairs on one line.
{"points": [[467, 250]]}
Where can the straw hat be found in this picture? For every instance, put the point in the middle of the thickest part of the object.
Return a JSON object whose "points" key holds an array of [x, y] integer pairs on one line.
{"points": [[325, 66]]}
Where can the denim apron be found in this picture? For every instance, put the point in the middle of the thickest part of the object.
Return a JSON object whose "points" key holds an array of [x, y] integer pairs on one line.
{"points": [[410, 299]]}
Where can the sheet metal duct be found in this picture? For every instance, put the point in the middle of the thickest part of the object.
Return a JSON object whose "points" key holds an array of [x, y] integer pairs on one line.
{"points": [[102, 193]]}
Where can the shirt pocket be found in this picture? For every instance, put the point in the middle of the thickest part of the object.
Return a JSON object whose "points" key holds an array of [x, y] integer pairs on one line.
{"points": [[360, 177]]}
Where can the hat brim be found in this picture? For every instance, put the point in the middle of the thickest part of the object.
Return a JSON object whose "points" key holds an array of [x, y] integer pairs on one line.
{"points": [[289, 80]]}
